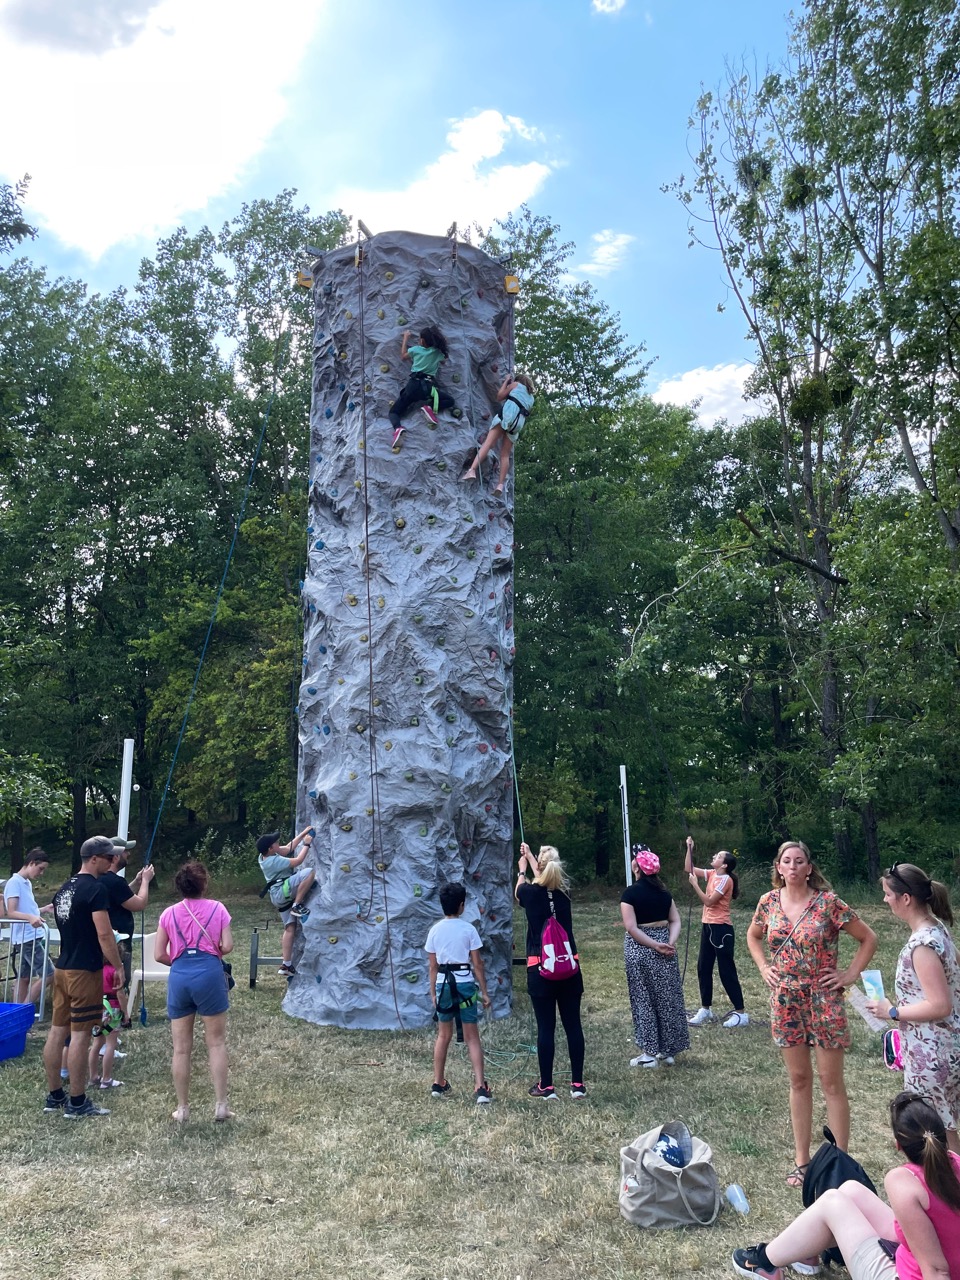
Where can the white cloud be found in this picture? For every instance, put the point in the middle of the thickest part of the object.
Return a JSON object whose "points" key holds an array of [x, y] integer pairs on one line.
{"points": [[717, 392], [609, 251], [460, 186], [608, 6], [121, 143]]}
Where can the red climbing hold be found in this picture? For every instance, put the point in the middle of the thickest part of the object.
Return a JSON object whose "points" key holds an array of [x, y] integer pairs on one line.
{"points": [[482, 748], [493, 595], [509, 623], [497, 547], [487, 808]]}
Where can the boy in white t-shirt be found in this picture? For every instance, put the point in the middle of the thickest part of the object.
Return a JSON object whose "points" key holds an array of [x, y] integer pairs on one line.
{"points": [[457, 978]]}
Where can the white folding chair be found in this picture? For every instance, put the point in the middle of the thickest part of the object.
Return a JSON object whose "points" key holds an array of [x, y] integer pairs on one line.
{"points": [[151, 971]]}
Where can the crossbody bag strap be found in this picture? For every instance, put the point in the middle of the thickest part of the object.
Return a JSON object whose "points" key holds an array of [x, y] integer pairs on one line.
{"points": [[806, 910], [203, 930]]}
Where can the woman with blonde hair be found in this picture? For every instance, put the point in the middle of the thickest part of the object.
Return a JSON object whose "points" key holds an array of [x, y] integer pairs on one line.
{"points": [[546, 896], [927, 1007], [801, 920]]}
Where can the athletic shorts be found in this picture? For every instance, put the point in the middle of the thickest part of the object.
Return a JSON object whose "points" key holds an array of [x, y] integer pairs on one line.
{"points": [[77, 998], [30, 958], [293, 882], [197, 984], [871, 1262], [469, 1003]]}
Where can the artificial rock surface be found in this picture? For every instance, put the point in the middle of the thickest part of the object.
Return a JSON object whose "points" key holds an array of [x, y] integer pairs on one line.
{"points": [[406, 769]]}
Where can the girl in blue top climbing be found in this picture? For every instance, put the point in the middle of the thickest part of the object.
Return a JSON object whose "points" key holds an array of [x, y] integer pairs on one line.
{"points": [[426, 358], [516, 396]]}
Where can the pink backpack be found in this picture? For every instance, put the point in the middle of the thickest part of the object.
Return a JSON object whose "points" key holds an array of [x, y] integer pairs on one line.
{"points": [[557, 960], [893, 1049]]}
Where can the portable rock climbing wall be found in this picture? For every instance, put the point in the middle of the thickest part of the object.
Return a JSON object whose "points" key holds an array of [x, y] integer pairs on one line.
{"points": [[406, 764]]}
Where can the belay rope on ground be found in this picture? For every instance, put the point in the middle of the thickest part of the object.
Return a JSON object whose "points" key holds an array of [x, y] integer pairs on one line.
{"points": [[283, 352]]}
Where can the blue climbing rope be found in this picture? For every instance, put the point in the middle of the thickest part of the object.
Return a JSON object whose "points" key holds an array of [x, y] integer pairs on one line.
{"points": [[281, 360]]}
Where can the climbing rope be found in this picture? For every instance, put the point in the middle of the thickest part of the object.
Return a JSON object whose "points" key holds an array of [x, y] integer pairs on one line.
{"points": [[281, 352]]}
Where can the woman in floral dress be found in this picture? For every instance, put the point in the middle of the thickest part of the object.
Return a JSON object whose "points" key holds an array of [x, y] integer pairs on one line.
{"points": [[801, 920], [928, 992]]}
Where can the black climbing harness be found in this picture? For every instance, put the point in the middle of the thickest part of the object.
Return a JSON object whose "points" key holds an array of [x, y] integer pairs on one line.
{"points": [[456, 1000]]}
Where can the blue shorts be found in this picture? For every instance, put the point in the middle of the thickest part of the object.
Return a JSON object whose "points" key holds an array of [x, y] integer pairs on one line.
{"points": [[469, 1012], [197, 984]]}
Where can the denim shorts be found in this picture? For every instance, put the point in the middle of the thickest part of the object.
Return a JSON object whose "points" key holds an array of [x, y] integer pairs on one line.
{"points": [[30, 958], [197, 984], [468, 1012]]}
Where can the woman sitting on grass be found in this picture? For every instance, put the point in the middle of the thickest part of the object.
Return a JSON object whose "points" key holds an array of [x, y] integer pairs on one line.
{"points": [[192, 936], [916, 1237]]}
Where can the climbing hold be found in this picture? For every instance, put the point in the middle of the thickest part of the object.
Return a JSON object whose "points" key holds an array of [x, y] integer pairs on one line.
{"points": [[456, 413], [328, 413], [361, 728], [418, 679], [401, 320], [456, 377], [339, 679], [379, 919], [326, 731], [311, 688], [487, 808], [382, 866], [309, 530], [352, 776], [388, 745], [484, 417], [491, 516], [400, 522], [425, 282], [351, 405], [471, 554], [497, 547], [417, 891], [450, 742], [346, 826], [493, 595], [423, 831], [493, 655], [348, 315], [445, 787], [492, 917], [380, 313], [509, 623], [318, 545], [388, 275], [368, 386], [418, 617], [380, 602], [332, 938], [431, 520], [361, 546], [328, 289], [451, 717], [352, 599], [454, 579], [376, 702], [412, 977], [364, 637], [357, 484], [441, 466], [369, 813], [417, 549], [334, 493], [342, 355], [361, 444], [482, 748], [441, 641], [469, 518], [494, 368], [469, 613], [414, 721], [481, 702], [344, 866], [384, 368], [408, 777]]}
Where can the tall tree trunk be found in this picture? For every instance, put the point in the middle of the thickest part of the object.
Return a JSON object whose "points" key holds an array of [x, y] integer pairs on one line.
{"points": [[79, 793], [16, 845], [601, 841], [868, 817]]}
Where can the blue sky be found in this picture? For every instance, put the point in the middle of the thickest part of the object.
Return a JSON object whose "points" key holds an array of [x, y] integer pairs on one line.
{"points": [[133, 117]]}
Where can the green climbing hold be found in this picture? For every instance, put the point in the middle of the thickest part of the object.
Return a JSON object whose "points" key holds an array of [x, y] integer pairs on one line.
{"points": [[412, 977], [384, 368], [418, 679], [441, 466], [423, 831], [408, 777], [417, 549], [441, 641], [418, 617], [376, 702], [469, 613], [344, 866], [456, 377], [401, 320], [417, 891], [471, 554], [348, 315], [450, 742], [414, 721], [364, 637], [451, 717], [445, 787], [431, 520], [469, 518]]}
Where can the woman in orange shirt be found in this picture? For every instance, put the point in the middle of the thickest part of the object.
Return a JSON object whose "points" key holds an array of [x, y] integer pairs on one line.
{"points": [[716, 936]]}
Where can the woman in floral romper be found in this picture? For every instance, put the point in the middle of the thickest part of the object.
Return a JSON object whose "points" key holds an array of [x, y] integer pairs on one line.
{"points": [[928, 992], [801, 920]]}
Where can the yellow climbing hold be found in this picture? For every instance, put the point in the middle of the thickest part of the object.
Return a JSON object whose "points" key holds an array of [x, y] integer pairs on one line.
{"points": [[348, 315], [357, 484], [381, 866], [352, 599], [343, 355], [369, 813], [388, 275], [352, 777], [400, 522], [380, 313], [344, 866], [332, 938], [384, 368], [361, 728], [346, 826], [376, 702], [380, 602], [364, 637], [388, 745]]}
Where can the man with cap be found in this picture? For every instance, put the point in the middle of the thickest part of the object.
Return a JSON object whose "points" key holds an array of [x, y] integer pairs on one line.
{"points": [[29, 951], [81, 910], [288, 883], [125, 898]]}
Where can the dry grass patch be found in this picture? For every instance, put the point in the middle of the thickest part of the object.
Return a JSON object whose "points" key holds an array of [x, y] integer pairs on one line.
{"points": [[341, 1164]]}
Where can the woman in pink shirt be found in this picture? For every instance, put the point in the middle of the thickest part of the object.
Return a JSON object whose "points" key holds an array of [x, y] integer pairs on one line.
{"points": [[915, 1237], [192, 937]]}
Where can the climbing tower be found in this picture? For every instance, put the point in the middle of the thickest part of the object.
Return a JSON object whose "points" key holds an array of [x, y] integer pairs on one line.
{"points": [[406, 767]]}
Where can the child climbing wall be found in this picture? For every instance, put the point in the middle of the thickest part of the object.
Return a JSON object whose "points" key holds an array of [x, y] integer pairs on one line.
{"points": [[406, 767]]}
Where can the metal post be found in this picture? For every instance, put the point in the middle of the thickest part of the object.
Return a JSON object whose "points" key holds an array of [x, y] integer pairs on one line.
{"points": [[624, 809], [126, 785]]}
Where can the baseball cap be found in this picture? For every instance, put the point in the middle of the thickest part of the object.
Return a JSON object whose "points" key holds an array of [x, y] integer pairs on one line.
{"points": [[96, 847], [266, 843], [118, 843]]}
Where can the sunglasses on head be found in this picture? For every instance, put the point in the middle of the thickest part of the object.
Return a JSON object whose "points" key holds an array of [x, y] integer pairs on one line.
{"points": [[894, 874]]}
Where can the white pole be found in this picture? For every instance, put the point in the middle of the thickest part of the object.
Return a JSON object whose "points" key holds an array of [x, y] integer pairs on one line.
{"points": [[624, 809], [126, 785]]}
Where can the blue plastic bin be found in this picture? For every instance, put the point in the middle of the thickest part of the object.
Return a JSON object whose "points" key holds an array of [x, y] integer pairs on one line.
{"points": [[15, 1021]]}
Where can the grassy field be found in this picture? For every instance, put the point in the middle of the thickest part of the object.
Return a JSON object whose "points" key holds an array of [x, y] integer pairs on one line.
{"points": [[341, 1164]]}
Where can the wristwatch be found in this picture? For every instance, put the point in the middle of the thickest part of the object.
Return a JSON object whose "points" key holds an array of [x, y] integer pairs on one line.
{"points": [[894, 1015]]}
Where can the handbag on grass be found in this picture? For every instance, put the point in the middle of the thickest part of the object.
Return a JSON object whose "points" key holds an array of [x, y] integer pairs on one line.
{"points": [[667, 1179]]}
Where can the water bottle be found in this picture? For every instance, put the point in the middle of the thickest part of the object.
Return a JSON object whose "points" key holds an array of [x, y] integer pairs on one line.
{"points": [[737, 1198]]}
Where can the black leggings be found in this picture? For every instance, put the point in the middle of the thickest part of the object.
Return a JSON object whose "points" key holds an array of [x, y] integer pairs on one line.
{"points": [[716, 947], [419, 390], [545, 1008]]}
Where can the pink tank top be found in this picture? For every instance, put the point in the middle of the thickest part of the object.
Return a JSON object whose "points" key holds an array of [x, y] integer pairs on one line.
{"points": [[946, 1223]]}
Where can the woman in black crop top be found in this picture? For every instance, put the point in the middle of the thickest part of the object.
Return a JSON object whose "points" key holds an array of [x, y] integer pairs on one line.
{"points": [[550, 997], [652, 924]]}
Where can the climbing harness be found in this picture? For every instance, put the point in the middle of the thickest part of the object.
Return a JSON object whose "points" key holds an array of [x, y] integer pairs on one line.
{"points": [[455, 1000]]}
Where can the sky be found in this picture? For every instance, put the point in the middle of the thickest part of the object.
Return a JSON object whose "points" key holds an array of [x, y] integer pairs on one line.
{"points": [[134, 117]]}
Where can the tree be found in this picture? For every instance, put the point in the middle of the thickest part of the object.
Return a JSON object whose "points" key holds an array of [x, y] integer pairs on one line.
{"points": [[14, 229]]}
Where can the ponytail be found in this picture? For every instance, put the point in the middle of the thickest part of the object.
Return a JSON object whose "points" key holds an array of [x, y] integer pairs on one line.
{"points": [[922, 1138], [729, 866], [550, 871], [940, 902], [906, 878]]}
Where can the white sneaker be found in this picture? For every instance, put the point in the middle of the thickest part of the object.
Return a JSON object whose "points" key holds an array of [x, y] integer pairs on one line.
{"points": [[809, 1268], [644, 1060], [738, 1020], [666, 1059], [702, 1017]]}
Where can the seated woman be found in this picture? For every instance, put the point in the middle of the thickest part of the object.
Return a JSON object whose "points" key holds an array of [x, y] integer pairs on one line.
{"points": [[915, 1237]]}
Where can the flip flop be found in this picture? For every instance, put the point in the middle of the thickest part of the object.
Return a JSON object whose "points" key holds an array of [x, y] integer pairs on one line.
{"points": [[223, 1112], [181, 1115], [796, 1175]]}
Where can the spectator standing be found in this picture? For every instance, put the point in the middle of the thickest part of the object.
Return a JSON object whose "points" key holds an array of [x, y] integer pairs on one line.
{"points": [[27, 937]]}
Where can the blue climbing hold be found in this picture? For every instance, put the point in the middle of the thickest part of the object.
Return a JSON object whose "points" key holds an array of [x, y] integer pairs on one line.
{"points": [[321, 648], [328, 413], [312, 795], [326, 731], [334, 493], [350, 405], [319, 544], [312, 688]]}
